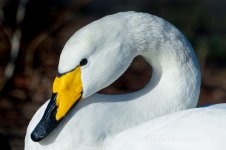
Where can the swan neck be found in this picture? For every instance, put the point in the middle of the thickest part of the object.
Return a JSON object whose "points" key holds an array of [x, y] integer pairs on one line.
{"points": [[176, 76]]}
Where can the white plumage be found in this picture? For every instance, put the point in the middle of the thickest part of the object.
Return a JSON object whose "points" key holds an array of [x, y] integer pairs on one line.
{"points": [[194, 129], [131, 121]]}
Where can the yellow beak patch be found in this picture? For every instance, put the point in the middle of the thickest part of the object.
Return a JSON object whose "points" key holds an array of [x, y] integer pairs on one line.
{"points": [[69, 90]]}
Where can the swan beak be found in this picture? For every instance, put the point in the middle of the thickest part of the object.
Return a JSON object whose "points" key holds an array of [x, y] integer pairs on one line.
{"points": [[67, 91]]}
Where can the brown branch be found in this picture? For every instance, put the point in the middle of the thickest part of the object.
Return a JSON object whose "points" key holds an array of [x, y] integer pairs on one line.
{"points": [[15, 44]]}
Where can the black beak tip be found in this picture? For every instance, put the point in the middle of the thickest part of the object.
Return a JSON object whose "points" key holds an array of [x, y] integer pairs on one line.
{"points": [[47, 123], [35, 137]]}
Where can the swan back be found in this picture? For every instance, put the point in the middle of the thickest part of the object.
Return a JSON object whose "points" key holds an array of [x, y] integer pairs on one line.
{"points": [[199, 128]]}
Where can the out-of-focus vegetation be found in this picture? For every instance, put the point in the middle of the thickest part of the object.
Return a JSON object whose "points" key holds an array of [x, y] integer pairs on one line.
{"points": [[33, 33]]}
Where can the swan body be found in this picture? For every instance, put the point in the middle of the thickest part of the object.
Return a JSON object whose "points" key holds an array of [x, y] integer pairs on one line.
{"points": [[199, 128], [109, 46]]}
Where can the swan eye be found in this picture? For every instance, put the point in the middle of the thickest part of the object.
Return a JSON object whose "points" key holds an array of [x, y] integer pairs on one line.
{"points": [[83, 62]]}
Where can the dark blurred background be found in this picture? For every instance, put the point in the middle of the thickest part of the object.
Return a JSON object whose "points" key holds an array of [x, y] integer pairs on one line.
{"points": [[33, 33]]}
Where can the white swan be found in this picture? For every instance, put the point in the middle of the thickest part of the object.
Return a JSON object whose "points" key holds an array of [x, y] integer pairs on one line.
{"points": [[92, 59]]}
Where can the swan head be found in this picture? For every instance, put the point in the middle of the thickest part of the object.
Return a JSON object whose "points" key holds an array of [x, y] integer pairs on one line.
{"points": [[92, 59]]}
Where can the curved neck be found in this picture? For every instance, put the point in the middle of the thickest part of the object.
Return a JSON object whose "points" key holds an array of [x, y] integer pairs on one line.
{"points": [[175, 82]]}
